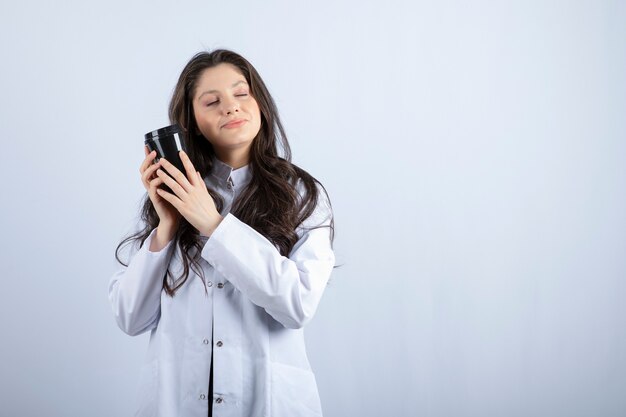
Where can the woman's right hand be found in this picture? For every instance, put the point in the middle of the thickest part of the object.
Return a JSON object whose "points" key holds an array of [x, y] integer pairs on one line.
{"points": [[168, 215]]}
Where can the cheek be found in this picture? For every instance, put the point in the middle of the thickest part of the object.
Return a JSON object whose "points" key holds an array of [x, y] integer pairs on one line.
{"points": [[205, 121], [256, 111]]}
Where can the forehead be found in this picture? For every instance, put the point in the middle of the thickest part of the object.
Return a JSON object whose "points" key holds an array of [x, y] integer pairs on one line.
{"points": [[219, 78]]}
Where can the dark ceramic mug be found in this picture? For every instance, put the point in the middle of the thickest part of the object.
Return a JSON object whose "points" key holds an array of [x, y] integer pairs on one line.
{"points": [[167, 142]]}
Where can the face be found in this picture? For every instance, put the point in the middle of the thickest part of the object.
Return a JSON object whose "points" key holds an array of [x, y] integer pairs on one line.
{"points": [[222, 94]]}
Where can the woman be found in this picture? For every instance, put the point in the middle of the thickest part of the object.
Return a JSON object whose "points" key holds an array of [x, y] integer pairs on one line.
{"points": [[230, 266]]}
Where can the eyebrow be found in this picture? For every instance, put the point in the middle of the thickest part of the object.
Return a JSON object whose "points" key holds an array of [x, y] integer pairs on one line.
{"points": [[215, 91]]}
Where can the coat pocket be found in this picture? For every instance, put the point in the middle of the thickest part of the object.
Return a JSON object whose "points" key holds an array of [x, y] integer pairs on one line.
{"points": [[293, 392]]}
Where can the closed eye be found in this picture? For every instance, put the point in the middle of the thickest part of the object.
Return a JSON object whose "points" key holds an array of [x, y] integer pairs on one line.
{"points": [[236, 95]]}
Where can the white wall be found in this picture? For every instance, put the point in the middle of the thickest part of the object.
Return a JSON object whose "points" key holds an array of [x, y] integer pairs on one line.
{"points": [[475, 154]]}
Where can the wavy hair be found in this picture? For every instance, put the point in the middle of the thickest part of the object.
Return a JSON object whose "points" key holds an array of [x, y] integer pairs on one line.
{"points": [[270, 203]]}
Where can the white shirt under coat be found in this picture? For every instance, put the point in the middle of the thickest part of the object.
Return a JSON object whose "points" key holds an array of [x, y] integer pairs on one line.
{"points": [[258, 302]]}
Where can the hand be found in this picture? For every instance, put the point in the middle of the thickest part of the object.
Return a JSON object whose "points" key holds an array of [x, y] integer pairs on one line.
{"points": [[168, 215], [191, 198]]}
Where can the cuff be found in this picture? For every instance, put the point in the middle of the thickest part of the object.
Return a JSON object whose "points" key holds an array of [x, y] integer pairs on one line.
{"points": [[221, 231], [148, 242]]}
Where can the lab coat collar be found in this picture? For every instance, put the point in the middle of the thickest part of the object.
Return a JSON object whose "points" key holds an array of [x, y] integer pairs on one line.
{"points": [[225, 173]]}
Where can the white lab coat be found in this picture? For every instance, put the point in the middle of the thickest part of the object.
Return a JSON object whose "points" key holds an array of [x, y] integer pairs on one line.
{"points": [[258, 301]]}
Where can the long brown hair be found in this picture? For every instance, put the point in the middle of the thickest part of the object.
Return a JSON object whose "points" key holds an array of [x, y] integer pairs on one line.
{"points": [[270, 202]]}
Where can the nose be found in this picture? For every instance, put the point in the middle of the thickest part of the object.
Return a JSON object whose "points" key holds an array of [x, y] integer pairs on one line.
{"points": [[231, 106]]}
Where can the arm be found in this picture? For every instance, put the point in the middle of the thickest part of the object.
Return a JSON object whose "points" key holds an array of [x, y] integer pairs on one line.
{"points": [[135, 291], [288, 288]]}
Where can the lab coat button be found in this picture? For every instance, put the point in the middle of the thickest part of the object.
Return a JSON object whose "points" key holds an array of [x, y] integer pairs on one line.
{"points": [[220, 285], [219, 400], [209, 283], [205, 341], [219, 343], [202, 396]]}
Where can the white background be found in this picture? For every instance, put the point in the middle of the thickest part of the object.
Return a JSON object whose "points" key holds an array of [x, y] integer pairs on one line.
{"points": [[474, 152]]}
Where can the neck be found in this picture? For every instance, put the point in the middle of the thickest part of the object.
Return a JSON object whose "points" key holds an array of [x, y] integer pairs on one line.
{"points": [[236, 158]]}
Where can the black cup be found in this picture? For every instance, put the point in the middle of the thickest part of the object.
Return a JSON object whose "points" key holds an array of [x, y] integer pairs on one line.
{"points": [[167, 142]]}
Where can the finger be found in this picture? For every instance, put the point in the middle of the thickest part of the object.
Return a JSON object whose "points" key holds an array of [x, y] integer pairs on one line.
{"points": [[201, 180], [155, 183], [147, 161], [180, 178], [188, 167], [148, 174], [169, 198], [150, 169], [173, 184], [147, 153]]}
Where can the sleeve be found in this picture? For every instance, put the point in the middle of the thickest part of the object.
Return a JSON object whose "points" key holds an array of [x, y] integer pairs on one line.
{"points": [[135, 291], [288, 288]]}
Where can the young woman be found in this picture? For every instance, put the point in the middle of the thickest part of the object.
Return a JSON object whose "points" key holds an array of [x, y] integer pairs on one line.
{"points": [[230, 266]]}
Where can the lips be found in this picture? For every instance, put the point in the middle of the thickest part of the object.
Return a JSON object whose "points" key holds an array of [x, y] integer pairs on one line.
{"points": [[235, 123]]}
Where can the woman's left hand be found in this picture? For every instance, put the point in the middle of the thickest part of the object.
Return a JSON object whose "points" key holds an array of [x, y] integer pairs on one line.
{"points": [[192, 199]]}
